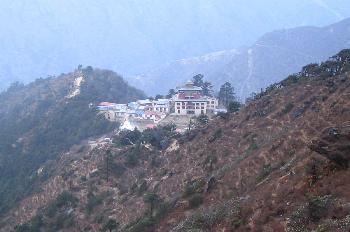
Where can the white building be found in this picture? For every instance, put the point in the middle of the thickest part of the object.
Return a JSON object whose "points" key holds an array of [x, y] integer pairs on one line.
{"points": [[190, 100]]}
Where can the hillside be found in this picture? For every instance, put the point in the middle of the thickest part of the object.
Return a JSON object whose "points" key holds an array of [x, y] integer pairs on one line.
{"points": [[41, 120], [132, 36], [271, 58], [279, 164]]}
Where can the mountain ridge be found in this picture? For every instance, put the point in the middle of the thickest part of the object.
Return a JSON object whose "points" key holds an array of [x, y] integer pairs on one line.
{"points": [[269, 60]]}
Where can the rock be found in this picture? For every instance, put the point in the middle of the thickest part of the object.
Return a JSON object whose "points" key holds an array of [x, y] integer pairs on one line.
{"points": [[334, 144]]}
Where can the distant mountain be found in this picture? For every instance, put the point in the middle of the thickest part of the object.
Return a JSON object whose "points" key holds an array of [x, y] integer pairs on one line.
{"points": [[41, 37], [270, 59], [45, 118]]}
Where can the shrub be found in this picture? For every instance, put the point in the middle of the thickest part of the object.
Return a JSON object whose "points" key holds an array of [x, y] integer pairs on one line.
{"points": [[265, 171], [234, 106], [216, 135], [110, 225], [287, 108], [318, 207], [127, 137], [142, 188], [93, 202], [202, 119], [65, 199], [223, 115], [195, 200], [193, 187], [117, 169], [142, 225]]}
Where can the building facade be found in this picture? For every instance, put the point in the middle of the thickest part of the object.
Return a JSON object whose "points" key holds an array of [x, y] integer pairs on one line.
{"points": [[190, 100]]}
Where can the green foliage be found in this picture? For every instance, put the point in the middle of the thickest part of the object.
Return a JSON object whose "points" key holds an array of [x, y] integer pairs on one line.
{"points": [[64, 200], [93, 201], [152, 199], [234, 106], [226, 94], [318, 207], [142, 187], [132, 156], [216, 135], [264, 172], [50, 123], [207, 87], [205, 220], [147, 222], [117, 169], [33, 225], [159, 137], [202, 119], [110, 225], [195, 200], [127, 137], [237, 222], [193, 187], [287, 108], [223, 115], [143, 225], [170, 94]]}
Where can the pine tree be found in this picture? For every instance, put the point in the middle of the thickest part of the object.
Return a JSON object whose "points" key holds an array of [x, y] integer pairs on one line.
{"points": [[226, 94], [207, 89], [170, 94], [198, 80]]}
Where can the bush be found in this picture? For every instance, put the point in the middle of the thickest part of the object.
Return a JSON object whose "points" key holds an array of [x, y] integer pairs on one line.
{"points": [[287, 108], [142, 187], [195, 200], [265, 172], [65, 199], [202, 119], [318, 207], [216, 135], [142, 225], [193, 187], [127, 137], [110, 225], [93, 201], [234, 106], [223, 115]]}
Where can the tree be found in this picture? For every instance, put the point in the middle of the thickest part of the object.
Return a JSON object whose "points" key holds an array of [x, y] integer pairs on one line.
{"points": [[198, 80], [234, 106], [108, 153], [152, 199], [207, 89], [170, 94], [203, 119], [226, 94], [110, 225], [158, 96]]}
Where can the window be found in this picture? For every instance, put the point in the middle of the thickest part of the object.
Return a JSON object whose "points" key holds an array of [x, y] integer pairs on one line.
{"points": [[202, 103], [178, 111], [178, 103], [212, 102]]}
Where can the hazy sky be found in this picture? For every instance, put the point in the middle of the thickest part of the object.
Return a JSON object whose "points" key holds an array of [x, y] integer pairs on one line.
{"points": [[42, 37]]}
